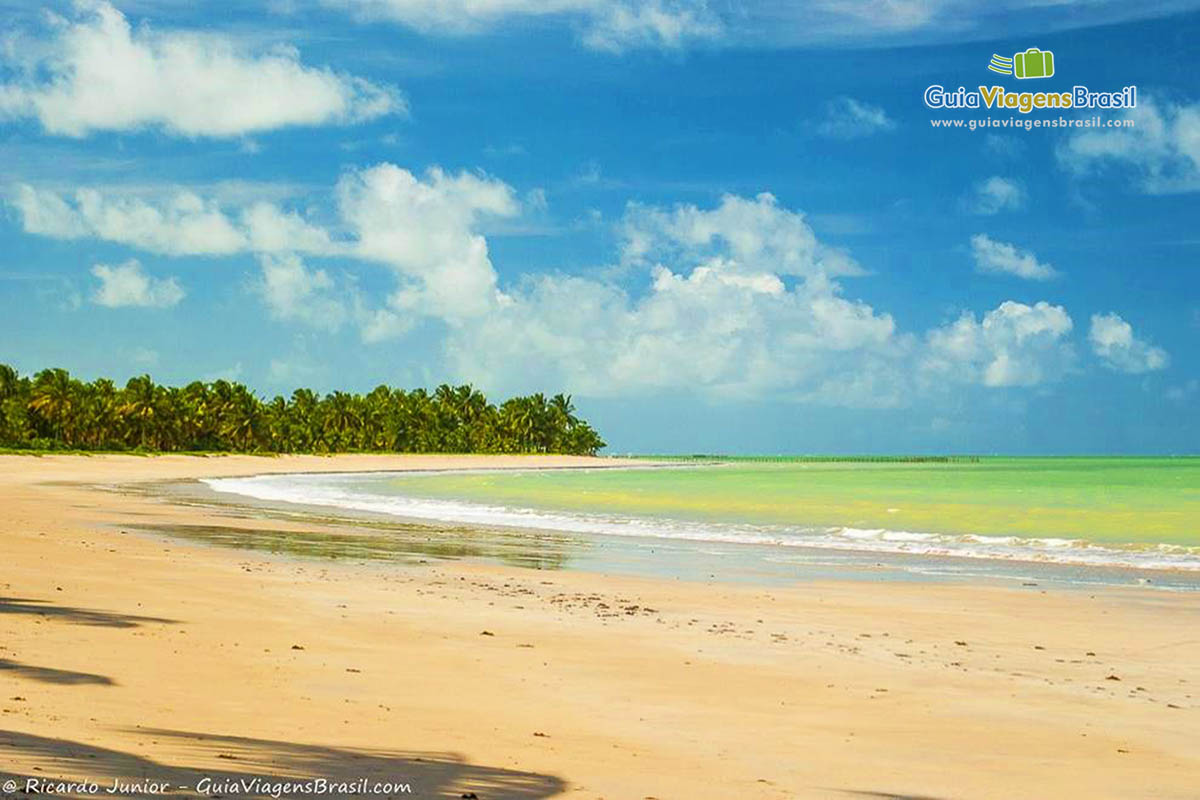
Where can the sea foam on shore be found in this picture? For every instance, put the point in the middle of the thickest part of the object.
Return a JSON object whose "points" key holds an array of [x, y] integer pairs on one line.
{"points": [[372, 494]]}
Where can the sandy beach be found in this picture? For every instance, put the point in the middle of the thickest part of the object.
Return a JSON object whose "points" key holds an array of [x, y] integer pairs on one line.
{"points": [[125, 654]]}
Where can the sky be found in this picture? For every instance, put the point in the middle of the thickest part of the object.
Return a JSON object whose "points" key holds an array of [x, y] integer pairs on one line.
{"points": [[721, 226]]}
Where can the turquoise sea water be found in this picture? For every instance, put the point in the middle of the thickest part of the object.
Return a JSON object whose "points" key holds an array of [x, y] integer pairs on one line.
{"points": [[1084, 513]]}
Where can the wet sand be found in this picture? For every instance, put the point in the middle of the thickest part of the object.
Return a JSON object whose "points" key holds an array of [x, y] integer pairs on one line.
{"points": [[129, 654]]}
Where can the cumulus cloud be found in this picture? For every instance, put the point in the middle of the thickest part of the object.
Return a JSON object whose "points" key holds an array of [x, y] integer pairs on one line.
{"points": [[1013, 345], [427, 231], [97, 73], [754, 235], [128, 285], [725, 314], [425, 228], [1113, 341], [718, 316], [736, 299], [177, 224], [1161, 151], [184, 225], [995, 194], [612, 25], [292, 291], [710, 329], [847, 118], [269, 229], [1002, 258], [651, 23]]}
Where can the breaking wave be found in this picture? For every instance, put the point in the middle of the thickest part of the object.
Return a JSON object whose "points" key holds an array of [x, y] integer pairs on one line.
{"points": [[362, 493]]}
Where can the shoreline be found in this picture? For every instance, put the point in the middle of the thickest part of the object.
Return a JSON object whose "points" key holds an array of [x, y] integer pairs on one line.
{"points": [[521, 683], [774, 552]]}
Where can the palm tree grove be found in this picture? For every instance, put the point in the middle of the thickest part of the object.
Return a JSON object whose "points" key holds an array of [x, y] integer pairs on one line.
{"points": [[54, 411]]}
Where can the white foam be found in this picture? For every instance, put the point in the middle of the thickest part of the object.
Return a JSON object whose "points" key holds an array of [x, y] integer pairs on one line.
{"points": [[353, 492]]}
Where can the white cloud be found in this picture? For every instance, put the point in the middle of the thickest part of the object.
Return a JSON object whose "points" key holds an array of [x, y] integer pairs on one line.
{"points": [[186, 224], [1185, 392], [708, 330], [233, 373], [457, 16], [738, 299], [771, 23], [295, 292], [1013, 345], [180, 223], [718, 316], [292, 291], [1113, 341], [754, 234], [1007, 146], [725, 315], [98, 73], [128, 285], [996, 257], [996, 194], [144, 356], [612, 25], [47, 214], [427, 231], [651, 23], [381, 324], [1162, 150], [268, 229], [847, 118]]}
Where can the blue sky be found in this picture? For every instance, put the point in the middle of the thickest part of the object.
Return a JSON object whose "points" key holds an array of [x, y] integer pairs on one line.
{"points": [[721, 226]]}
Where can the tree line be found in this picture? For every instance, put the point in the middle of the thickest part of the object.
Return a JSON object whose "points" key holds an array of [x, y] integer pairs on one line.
{"points": [[54, 411]]}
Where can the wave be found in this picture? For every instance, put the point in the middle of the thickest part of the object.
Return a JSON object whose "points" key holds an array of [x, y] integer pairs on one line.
{"points": [[354, 493]]}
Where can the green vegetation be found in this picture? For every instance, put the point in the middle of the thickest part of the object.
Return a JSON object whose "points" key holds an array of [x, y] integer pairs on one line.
{"points": [[53, 411]]}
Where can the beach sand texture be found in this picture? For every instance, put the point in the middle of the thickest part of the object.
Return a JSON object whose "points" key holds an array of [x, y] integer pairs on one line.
{"points": [[130, 655]]}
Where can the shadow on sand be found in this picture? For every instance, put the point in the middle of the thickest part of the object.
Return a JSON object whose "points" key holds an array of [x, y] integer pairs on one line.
{"points": [[226, 760], [62, 677], [79, 616]]}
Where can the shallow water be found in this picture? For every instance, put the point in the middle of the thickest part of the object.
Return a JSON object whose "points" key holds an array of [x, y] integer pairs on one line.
{"points": [[1093, 520]]}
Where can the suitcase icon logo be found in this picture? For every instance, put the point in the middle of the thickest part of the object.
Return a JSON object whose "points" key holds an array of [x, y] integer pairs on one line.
{"points": [[1033, 63]]}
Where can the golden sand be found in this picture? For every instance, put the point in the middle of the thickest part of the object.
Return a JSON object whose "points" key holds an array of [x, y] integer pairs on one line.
{"points": [[136, 656]]}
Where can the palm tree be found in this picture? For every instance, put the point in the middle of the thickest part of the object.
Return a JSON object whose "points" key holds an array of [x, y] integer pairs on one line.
{"points": [[229, 416], [53, 399], [97, 416], [243, 423], [341, 419], [193, 407], [305, 428], [16, 429], [140, 409], [10, 381]]}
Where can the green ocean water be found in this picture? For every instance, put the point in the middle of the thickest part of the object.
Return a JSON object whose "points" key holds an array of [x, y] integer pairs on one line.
{"points": [[1127, 501]]}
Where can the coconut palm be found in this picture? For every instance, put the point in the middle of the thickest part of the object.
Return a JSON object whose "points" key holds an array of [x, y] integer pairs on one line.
{"points": [[140, 410], [54, 400], [54, 409]]}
